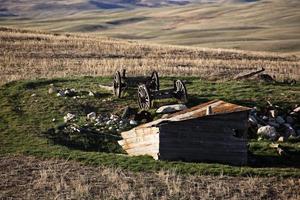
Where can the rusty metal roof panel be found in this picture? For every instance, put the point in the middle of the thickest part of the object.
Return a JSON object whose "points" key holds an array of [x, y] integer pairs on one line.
{"points": [[217, 107]]}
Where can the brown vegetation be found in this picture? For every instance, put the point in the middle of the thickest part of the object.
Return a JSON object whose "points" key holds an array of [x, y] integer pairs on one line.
{"points": [[31, 55], [31, 178]]}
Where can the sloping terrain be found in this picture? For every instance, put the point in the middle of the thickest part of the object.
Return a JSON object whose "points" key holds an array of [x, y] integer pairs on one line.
{"points": [[31, 55], [266, 25]]}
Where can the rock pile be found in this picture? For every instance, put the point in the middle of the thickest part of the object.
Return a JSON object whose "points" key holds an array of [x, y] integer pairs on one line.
{"points": [[274, 123], [67, 92]]}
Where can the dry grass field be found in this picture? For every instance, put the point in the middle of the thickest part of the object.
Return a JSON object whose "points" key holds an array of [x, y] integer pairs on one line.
{"points": [[264, 25], [30, 55], [30, 178]]}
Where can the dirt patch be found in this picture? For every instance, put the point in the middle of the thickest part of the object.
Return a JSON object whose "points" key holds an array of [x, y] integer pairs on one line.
{"points": [[31, 178]]}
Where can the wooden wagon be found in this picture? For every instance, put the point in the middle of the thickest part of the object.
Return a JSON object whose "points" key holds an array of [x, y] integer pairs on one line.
{"points": [[212, 132]]}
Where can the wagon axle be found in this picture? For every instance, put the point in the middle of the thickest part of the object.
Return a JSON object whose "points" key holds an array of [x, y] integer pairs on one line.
{"points": [[146, 96], [122, 82]]}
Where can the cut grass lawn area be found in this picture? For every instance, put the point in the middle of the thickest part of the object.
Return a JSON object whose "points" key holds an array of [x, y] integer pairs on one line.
{"points": [[25, 119]]}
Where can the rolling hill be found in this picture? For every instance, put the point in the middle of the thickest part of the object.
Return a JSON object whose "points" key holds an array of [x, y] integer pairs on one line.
{"points": [[265, 25]]}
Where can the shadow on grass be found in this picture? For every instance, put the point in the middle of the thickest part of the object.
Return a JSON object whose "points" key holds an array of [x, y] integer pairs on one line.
{"points": [[85, 139]]}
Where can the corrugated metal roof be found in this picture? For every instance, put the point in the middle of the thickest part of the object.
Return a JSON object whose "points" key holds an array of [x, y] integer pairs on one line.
{"points": [[217, 107]]}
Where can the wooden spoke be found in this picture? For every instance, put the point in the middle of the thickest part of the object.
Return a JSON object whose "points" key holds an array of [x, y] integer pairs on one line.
{"points": [[154, 83], [144, 99], [180, 91], [117, 84]]}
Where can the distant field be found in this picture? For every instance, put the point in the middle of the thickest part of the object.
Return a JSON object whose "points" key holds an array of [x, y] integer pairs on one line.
{"points": [[31, 55], [266, 25]]}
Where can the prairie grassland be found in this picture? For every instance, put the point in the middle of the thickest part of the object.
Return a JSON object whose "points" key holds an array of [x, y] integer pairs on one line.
{"points": [[264, 25], [31, 178], [30, 55]]}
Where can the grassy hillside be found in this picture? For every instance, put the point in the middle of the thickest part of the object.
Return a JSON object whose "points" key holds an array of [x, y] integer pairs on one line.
{"points": [[27, 126], [29, 55], [266, 25]]}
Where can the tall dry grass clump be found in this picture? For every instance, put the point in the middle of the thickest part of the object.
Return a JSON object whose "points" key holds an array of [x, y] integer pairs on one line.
{"points": [[31, 55]]}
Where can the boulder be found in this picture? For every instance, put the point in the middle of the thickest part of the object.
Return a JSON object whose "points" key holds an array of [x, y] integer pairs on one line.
{"points": [[268, 132], [171, 108]]}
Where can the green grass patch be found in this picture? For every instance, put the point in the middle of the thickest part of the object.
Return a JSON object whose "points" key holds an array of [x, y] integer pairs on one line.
{"points": [[27, 127]]}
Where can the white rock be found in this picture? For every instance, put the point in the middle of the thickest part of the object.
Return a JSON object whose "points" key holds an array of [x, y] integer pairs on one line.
{"points": [[253, 120], [52, 90], [265, 118], [109, 122], [111, 128], [67, 92], [281, 139], [91, 94], [171, 108], [273, 113], [69, 117], [280, 120], [297, 109], [267, 132], [53, 120], [133, 122], [33, 95], [91, 116]]}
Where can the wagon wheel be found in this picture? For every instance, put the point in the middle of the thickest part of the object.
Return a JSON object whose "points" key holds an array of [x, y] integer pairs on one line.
{"points": [[154, 84], [181, 92], [117, 84], [144, 99]]}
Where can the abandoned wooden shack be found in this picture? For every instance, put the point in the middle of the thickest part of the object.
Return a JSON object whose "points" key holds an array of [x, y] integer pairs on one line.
{"points": [[211, 132]]}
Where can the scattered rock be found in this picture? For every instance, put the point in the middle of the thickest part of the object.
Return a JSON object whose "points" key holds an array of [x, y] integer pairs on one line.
{"points": [[91, 94], [265, 118], [273, 113], [69, 117], [280, 120], [109, 122], [296, 110], [133, 122], [52, 90], [281, 139], [91, 116], [268, 132], [171, 108], [253, 120], [281, 151]]}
